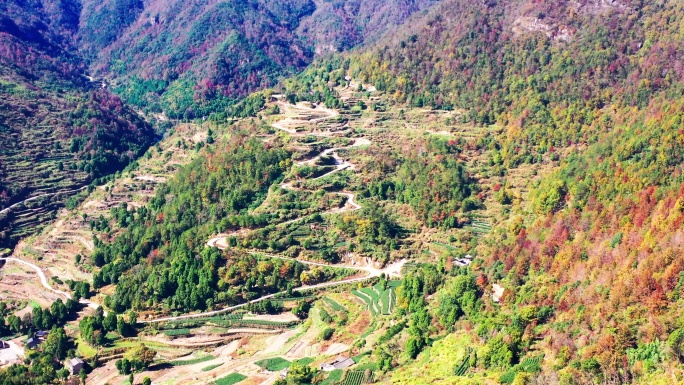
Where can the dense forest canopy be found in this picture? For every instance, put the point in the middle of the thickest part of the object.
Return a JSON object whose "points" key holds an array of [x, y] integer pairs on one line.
{"points": [[602, 84]]}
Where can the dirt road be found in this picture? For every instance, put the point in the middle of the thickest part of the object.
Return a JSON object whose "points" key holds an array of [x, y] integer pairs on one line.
{"points": [[391, 270], [44, 282]]}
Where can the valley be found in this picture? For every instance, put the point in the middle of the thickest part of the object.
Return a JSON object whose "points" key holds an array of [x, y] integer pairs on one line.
{"points": [[314, 192]]}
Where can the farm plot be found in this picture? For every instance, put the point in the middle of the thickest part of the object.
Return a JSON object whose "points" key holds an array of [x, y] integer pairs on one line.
{"points": [[219, 320], [177, 332], [274, 364], [379, 301], [230, 379], [479, 227], [262, 324], [192, 361], [357, 377], [463, 366], [334, 305], [367, 299]]}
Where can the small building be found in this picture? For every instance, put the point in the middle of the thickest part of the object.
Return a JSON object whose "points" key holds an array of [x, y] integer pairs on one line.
{"points": [[497, 292], [75, 365], [465, 261], [41, 334], [33, 342], [339, 363], [283, 373], [462, 262]]}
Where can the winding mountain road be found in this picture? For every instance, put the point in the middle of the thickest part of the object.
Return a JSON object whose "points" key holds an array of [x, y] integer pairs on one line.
{"points": [[340, 164], [46, 284]]}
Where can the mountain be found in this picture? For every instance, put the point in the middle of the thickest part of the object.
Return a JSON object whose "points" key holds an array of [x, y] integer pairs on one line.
{"points": [[592, 85], [585, 256], [192, 58], [59, 132], [441, 192]]}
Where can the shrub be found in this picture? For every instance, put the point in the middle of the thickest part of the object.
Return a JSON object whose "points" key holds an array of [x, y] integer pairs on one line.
{"points": [[326, 334]]}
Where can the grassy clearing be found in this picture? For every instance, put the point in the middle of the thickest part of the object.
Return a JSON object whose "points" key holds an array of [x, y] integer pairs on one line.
{"points": [[192, 361], [230, 379], [177, 332], [211, 367], [274, 364], [333, 378], [305, 361], [334, 304], [84, 349]]}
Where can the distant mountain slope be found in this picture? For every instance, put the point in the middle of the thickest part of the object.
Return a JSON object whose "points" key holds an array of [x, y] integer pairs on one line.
{"points": [[58, 133], [339, 25], [186, 58], [190, 58]]}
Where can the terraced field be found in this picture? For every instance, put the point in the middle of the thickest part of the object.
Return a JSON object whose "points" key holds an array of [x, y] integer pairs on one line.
{"points": [[357, 377], [70, 237], [379, 301], [334, 305], [48, 143]]}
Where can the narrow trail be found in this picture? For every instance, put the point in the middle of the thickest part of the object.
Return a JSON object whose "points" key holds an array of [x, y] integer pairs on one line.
{"points": [[41, 275], [9, 208], [392, 270]]}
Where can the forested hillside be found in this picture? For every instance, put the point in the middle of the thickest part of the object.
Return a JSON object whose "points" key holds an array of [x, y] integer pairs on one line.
{"points": [[58, 132], [600, 241], [494, 188], [169, 234]]}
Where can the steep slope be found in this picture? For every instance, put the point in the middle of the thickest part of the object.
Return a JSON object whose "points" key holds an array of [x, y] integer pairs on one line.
{"points": [[58, 132], [191, 58], [597, 250]]}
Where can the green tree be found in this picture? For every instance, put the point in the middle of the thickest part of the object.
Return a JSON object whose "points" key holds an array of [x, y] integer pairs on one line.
{"points": [[110, 322], [56, 343], [141, 357], [14, 323], [676, 344], [123, 366], [299, 374], [326, 334]]}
